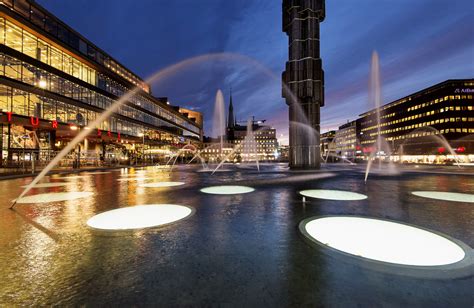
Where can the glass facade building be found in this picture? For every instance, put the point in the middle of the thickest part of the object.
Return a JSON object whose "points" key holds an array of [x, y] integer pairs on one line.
{"points": [[347, 143], [420, 126], [54, 82]]}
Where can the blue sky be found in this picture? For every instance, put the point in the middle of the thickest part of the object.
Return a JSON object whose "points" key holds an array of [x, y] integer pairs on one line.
{"points": [[420, 43]]}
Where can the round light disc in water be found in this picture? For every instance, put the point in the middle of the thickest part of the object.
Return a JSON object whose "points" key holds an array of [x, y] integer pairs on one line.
{"points": [[382, 240], [133, 179], [45, 185], [333, 194], [227, 190], [55, 197], [139, 217], [161, 184], [212, 170], [446, 196]]}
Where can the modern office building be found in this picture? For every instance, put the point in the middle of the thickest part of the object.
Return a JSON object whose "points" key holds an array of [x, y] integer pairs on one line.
{"points": [[54, 82], [263, 145], [328, 145], [266, 143], [414, 127], [303, 79], [347, 141]]}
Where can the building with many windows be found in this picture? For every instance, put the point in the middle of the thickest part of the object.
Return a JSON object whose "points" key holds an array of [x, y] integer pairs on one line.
{"points": [[328, 145], [430, 126], [54, 82], [264, 143], [347, 141]]}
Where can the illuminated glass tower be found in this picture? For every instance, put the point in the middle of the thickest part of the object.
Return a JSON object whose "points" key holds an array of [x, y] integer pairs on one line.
{"points": [[304, 80]]}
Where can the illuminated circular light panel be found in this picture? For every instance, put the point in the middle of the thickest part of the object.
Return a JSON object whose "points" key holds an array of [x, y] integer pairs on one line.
{"points": [[45, 185], [447, 196], [333, 194], [55, 197], [134, 179], [139, 217], [212, 170], [161, 184], [383, 241], [227, 190]]}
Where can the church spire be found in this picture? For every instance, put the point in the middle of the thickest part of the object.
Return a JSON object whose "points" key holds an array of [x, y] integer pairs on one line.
{"points": [[231, 118]]}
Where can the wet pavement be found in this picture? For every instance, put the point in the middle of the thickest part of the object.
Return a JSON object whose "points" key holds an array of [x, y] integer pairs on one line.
{"points": [[242, 249]]}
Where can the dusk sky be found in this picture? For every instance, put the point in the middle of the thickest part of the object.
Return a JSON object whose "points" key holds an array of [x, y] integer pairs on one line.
{"points": [[419, 42]]}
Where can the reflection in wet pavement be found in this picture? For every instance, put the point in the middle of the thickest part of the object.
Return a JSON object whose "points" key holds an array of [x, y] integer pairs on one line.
{"points": [[242, 249]]}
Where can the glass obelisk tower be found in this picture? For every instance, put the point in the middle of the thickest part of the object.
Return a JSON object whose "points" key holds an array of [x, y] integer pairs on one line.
{"points": [[304, 78]]}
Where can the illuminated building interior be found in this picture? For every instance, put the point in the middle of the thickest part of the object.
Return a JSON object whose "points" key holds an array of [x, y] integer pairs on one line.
{"points": [[415, 127], [266, 142], [54, 82]]}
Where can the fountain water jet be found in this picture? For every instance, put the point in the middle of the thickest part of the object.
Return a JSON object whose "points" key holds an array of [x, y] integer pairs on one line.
{"points": [[218, 120], [375, 98], [249, 145], [162, 74], [437, 136]]}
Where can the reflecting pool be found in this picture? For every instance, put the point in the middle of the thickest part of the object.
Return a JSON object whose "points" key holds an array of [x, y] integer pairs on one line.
{"points": [[241, 249]]}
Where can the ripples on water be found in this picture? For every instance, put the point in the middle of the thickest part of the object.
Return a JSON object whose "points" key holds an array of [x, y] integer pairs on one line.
{"points": [[236, 249]]}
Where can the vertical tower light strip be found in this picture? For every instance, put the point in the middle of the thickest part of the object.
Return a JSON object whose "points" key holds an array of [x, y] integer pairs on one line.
{"points": [[304, 77]]}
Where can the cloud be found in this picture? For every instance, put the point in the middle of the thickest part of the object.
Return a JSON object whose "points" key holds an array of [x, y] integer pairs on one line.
{"points": [[420, 43]]}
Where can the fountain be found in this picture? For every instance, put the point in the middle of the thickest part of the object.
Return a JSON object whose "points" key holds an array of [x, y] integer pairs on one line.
{"points": [[219, 126], [249, 145], [375, 98], [434, 134], [187, 148], [218, 120]]}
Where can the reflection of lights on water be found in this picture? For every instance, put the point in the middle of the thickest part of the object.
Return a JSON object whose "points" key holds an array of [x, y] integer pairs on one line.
{"points": [[332, 194], [55, 197], [45, 185], [140, 216], [74, 177], [446, 196], [383, 240], [97, 172], [161, 184], [142, 174], [227, 190]]}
